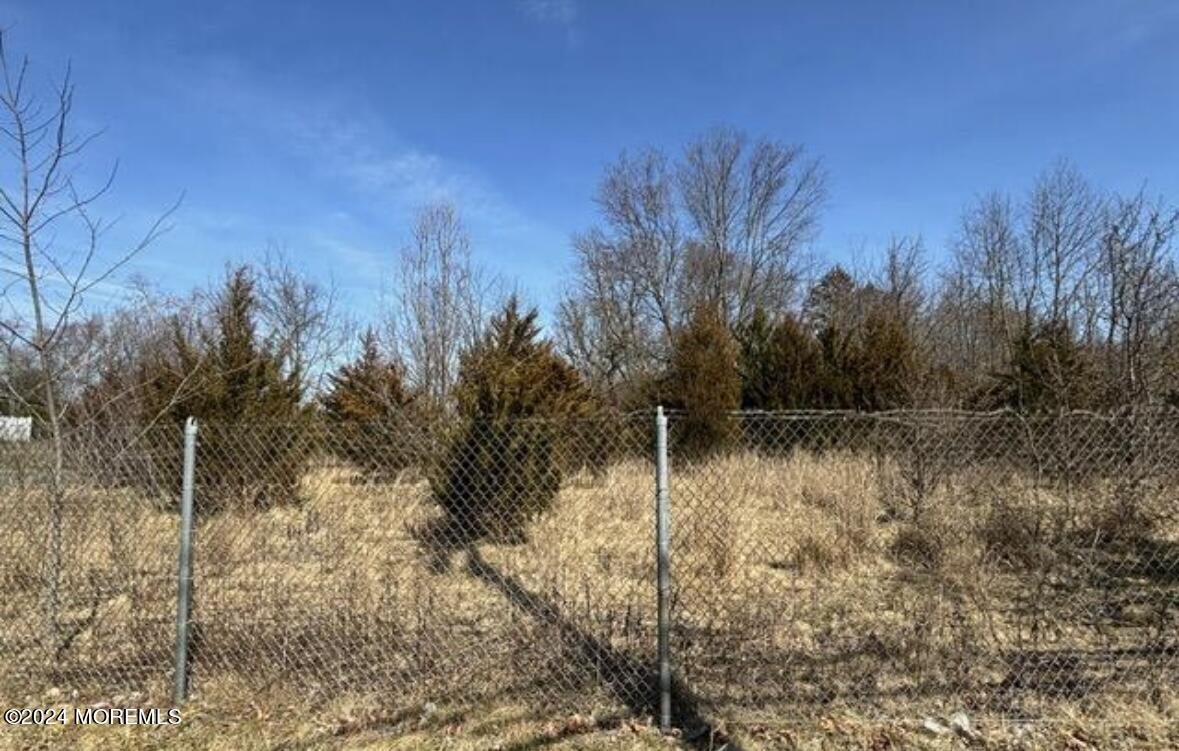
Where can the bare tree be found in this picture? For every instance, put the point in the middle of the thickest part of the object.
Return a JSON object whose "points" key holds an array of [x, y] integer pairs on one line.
{"points": [[724, 226], [960, 341], [600, 325], [128, 340], [642, 247], [986, 257], [1032, 262], [1063, 225], [441, 299], [1140, 287], [50, 250], [752, 208], [301, 318], [901, 278], [1090, 274]]}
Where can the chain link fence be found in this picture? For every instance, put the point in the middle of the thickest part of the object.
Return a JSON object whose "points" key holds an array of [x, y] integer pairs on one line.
{"points": [[890, 563], [404, 563], [909, 563], [88, 567]]}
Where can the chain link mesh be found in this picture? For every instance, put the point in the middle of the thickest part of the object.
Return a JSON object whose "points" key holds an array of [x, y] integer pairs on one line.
{"points": [[88, 570], [1001, 564], [327, 565], [907, 563]]}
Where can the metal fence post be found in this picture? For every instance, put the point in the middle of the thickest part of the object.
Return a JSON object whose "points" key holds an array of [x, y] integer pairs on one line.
{"points": [[663, 567], [184, 576]]}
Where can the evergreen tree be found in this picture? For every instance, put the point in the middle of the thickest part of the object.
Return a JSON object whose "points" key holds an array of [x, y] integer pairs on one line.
{"points": [[705, 382], [868, 356], [837, 375], [253, 439], [1047, 371], [885, 363], [365, 403], [831, 304], [369, 389], [247, 381], [780, 364], [758, 374], [512, 396]]}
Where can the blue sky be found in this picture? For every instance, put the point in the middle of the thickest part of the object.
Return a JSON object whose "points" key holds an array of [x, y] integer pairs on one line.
{"points": [[320, 126]]}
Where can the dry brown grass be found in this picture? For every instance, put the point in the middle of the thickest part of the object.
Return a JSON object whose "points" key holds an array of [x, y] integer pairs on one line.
{"points": [[985, 597], [266, 723], [801, 591]]}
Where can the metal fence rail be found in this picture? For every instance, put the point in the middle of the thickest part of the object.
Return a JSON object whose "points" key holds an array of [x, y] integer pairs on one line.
{"points": [[890, 563]]}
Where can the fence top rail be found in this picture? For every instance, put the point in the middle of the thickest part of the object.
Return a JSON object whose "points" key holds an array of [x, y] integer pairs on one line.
{"points": [[1165, 411], [132, 432]]}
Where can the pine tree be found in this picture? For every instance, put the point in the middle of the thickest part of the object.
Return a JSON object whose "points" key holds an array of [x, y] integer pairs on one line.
{"points": [[247, 381], [252, 437], [780, 367], [1047, 371], [367, 389], [758, 375], [705, 382], [868, 359], [831, 304], [365, 404], [780, 363], [513, 395], [885, 363]]}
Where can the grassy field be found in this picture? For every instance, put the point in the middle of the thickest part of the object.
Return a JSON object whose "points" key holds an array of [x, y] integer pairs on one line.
{"points": [[814, 594]]}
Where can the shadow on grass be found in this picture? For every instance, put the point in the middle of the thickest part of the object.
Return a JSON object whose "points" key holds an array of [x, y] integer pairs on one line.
{"points": [[1141, 559], [631, 682]]}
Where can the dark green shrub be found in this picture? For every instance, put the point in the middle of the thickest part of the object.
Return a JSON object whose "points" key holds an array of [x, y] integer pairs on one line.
{"points": [[706, 384], [366, 411], [1047, 371], [868, 368], [780, 363], [253, 442], [885, 363], [780, 367], [514, 399]]}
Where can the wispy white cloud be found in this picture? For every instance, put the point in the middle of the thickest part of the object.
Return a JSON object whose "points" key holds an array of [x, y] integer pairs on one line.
{"points": [[559, 14], [1089, 35], [366, 263], [376, 164], [335, 137], [368, 177]]}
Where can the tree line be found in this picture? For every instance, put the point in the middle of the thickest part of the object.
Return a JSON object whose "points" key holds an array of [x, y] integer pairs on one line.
{"points": [[1063, 297], [698, 287]]}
